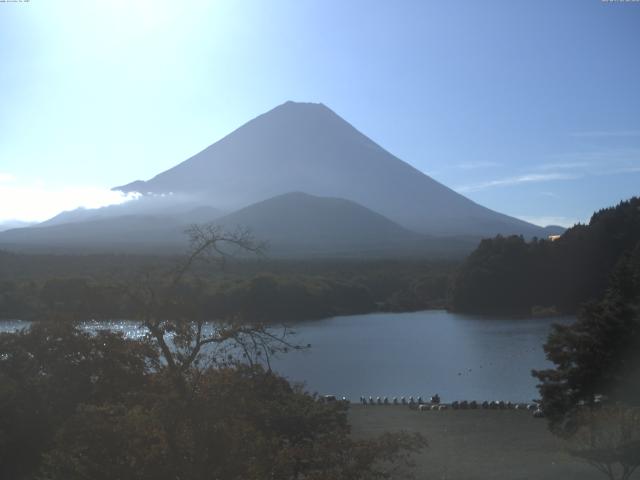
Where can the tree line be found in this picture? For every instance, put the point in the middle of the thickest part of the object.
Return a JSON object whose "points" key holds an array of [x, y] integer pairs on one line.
{"points": [[509, 275], [272, 291]]}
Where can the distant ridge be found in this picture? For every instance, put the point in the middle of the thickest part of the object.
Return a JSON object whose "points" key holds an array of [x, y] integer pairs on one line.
{"points": [[10, 224], [293, 225], [127, 233]]}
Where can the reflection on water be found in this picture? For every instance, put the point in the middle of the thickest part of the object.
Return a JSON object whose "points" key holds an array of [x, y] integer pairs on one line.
{"points": [[13, 325], [128, 328], [395, 354]]}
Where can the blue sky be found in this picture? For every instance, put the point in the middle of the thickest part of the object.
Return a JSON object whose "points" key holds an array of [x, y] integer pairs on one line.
{"points": [[531, 108]]}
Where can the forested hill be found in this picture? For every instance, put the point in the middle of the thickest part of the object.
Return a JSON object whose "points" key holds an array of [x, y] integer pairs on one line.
{"points": [[510, 275]]}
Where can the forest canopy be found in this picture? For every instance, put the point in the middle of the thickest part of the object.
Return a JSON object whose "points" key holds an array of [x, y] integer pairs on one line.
{"points": [[509, 275], [96, 286], [598, 356]]}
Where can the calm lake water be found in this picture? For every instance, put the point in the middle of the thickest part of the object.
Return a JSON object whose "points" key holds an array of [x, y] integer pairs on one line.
{"points": [[402, 354]]}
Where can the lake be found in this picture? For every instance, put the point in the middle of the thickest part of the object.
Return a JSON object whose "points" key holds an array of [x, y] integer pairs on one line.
{"points": [[410, 354]]}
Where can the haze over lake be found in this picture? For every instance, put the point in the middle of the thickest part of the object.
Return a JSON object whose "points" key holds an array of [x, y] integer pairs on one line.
{"points": [[402, 354]]}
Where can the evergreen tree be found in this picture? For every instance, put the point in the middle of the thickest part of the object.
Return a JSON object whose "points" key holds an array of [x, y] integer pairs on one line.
{"points": [[597, 355]]}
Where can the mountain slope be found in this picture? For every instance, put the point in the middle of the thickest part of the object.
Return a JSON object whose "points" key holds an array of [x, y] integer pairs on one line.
{"points": [[320, 224], [188, 208], [10, 224], [129, 233], [111, 229], [292, 225], [307, 147]]}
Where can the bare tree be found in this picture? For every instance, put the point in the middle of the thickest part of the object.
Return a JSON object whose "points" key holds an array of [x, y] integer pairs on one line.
{"points": [[169, 306], [608, 439]]}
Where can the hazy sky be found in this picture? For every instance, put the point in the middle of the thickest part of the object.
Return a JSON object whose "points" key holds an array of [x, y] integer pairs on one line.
{"points": [[531, 108]]}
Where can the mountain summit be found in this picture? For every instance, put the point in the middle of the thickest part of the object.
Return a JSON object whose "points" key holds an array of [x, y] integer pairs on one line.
{"points": [[302, 179], [306, 147]]}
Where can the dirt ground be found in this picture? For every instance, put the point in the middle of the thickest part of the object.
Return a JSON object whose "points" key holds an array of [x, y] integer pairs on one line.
{"points": [[477, 444]]}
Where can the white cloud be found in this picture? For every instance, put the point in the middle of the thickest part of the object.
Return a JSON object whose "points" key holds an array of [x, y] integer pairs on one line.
{"points": [[570, 167], [626, 170], [527, 178], [607, 133], [597, 158], [549, 194], [6, 177], [477, 165], [546, 220], [563, 166], [38, 201]]}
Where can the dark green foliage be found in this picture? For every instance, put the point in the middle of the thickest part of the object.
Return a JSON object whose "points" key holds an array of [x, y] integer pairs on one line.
{"points": [[510, 275], [75, 406], [96, 287], [599, 354], [502, 275], [268, 297], [46, 373]]}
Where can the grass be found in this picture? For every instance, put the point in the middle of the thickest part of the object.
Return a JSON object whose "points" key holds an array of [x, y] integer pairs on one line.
{"points": [[476, 444]]}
